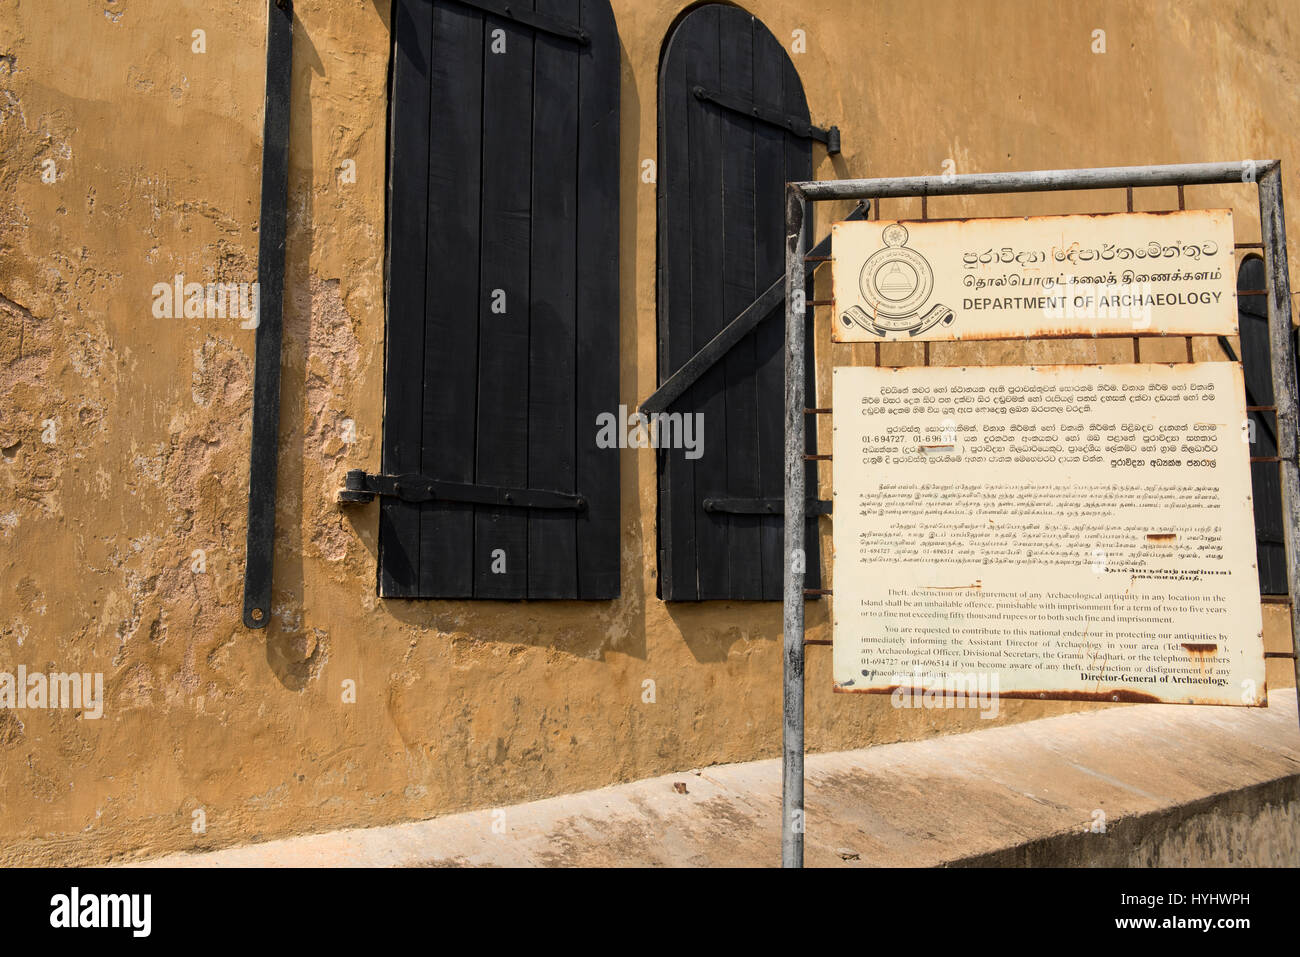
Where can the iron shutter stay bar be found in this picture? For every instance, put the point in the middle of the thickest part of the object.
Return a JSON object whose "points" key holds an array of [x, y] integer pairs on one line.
{"points": [[762, 506], [734, 331], [793, 124], [544, 22], [361, 487], [262, 467]]}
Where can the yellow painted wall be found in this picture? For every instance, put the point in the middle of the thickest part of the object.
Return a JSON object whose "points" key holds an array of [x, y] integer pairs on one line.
{"points": [[459, 705]]}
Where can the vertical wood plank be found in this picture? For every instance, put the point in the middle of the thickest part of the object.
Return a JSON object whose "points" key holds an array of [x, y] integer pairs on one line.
{"points": [[737, 229], [704, 129], [769, 337], [597, 528], [677, 480], [451, 305], [552, 543], [501, 534], [399, 522]]}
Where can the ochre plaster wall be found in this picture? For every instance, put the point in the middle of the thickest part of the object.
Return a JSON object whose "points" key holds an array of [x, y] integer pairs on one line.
{"points": [[458, 705]]}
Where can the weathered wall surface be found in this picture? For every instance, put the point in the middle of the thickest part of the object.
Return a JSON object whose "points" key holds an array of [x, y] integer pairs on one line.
{"points": [[125, 436]]}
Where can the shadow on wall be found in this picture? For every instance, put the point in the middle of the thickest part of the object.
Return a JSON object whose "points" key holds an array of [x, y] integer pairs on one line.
{"points": [[293, 653]]}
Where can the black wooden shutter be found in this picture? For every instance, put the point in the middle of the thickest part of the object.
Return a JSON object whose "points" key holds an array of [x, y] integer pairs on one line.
{"points": [[502, 298], [1265, 480], [722, 177]]}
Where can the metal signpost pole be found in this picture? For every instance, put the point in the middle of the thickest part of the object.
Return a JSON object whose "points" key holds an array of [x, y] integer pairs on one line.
{"points": [[1272, 234], [796, 525]]}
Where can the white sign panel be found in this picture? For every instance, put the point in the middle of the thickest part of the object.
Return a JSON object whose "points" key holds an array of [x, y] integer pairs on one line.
{"points": [[1107, 274], [1051, 532]]}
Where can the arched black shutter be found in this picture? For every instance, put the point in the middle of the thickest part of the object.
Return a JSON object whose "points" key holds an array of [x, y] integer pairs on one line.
{"points": [[1266, 482], [722, 176], [502, 301]]}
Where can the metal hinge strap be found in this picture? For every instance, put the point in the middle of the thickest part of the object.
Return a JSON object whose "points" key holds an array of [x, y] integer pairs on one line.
{"points": [[544, 22], [762, 506], [360, 487], [792, 124]]}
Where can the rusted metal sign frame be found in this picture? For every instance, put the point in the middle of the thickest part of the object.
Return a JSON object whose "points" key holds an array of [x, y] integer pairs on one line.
{"points": [[1267, 177]]}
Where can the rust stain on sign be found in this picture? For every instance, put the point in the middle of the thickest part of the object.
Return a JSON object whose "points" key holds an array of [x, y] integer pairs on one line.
{"points": [[1203, 653], [1114, 695]]}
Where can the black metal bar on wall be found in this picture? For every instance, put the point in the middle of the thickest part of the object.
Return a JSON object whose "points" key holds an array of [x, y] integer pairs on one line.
{"points": [[270, 278], [745, 323]]}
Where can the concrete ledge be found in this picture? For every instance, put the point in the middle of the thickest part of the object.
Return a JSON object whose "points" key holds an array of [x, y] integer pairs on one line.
{"points": [[1177, 785]]}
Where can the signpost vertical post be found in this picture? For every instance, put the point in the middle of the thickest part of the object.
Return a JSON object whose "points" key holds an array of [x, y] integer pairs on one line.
{"points": [[792, 815], [1272, 234]]}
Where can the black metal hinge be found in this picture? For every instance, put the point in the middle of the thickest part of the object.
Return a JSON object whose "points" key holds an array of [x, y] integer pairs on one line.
{"points": [[762, 506], [361, 487], [544, 22], [792, 124]]}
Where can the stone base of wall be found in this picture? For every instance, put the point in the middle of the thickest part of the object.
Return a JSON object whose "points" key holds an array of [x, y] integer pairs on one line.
{"points": [[1136, 786]]}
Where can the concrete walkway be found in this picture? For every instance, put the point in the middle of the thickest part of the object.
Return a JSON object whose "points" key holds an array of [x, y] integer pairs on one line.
{"points": [[1171, 784]]}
